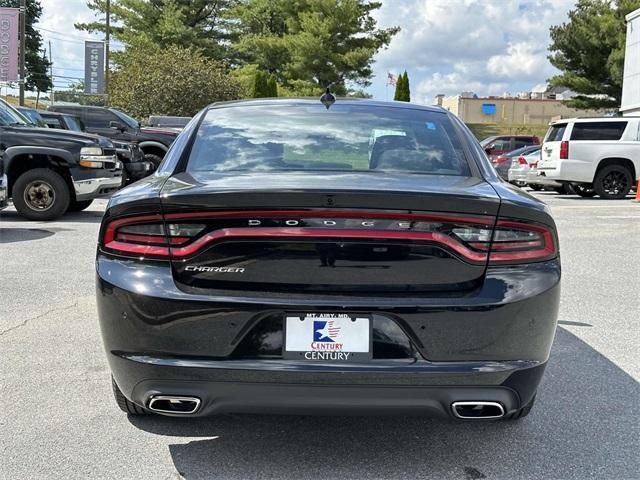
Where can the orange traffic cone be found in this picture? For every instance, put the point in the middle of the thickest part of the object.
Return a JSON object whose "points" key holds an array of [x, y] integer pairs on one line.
{"points": [[638, 191]]}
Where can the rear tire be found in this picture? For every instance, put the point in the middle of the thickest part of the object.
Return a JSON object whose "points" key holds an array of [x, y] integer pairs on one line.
{"points": [[563, 190], [613, 182], [522, 412], [41, 194], [584, 191], [126, 405], [76, 206]]}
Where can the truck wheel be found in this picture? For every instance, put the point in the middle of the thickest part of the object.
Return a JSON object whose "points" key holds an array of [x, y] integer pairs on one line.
{"points": [[584, 190], [78, 206], [126, 405], [153, 158], [613, 182], [41, 194]]}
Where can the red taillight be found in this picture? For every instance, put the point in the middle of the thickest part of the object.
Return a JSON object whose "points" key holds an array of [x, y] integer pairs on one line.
{"points": [[146, 236], [472, 238], [500, 159], [564, 150], [514, 242], [522, 160]]}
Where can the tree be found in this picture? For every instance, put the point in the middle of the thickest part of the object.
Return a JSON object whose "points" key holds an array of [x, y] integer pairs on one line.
{"points": [[198, 24], [309, 44], [407, 88], [272, 86], [589, 51], [36, 64], [168, 81], [260, 85], [402, 92], [399, 86]]}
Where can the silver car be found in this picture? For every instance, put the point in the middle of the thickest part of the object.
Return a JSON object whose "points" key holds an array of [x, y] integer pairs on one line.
{"points": [[521, 164]]}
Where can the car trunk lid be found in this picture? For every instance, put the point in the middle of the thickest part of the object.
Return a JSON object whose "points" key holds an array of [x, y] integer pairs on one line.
{"points": [[337, 232]]}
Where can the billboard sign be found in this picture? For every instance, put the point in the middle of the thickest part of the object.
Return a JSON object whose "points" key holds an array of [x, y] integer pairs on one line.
{"points": [[94, 68], [9, 21]]}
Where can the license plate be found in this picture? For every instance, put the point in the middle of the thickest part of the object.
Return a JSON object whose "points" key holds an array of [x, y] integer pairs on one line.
{"points": [[333, 337]]}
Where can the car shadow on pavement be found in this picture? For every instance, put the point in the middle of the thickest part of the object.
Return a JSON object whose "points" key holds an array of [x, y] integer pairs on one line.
{"points": [[87, 216], [584, 425], [13, 235]]}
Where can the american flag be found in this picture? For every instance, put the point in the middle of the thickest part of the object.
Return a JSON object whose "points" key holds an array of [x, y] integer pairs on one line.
{"points": [[391, 79]]}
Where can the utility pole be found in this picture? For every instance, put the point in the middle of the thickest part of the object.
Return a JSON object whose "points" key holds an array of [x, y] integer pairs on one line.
{"points": [[23, 35], [53, 95], [106, 52]]}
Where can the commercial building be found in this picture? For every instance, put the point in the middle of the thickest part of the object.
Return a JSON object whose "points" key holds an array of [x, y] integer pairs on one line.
{"points": [[631, 79], [534, 108]]}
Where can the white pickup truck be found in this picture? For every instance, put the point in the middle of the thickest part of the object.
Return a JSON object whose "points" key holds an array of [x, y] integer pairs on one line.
{"points": [[595, 155]]}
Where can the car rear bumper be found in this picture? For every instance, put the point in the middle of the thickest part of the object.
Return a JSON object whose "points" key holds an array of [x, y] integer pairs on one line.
{"points": [[325, 397], [567, 170], [490, 344], [518, 176]]}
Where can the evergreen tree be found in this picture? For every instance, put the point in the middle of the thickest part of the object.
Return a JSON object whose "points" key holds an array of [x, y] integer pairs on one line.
{"points": [[272, 86], [310, 44], [398, 91], [589, 52], [260, 85]]}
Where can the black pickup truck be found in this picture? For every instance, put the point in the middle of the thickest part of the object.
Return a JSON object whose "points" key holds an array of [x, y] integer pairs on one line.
{"points": [[48, 172], [117, 125], [129, 153]]}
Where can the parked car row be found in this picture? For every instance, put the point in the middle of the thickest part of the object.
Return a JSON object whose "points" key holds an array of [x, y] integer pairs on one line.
{"points": [[61, 159], [586, 156]]}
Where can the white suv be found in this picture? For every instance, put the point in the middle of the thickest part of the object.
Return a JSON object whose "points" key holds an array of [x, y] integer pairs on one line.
{"points": [[596, 155]]}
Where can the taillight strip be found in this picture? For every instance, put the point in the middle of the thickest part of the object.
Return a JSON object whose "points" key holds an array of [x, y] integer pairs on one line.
{"points": [[281, 232], [134, 237]]}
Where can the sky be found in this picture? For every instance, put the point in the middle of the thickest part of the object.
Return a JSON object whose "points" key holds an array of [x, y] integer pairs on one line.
{"points": [[489, 47]]}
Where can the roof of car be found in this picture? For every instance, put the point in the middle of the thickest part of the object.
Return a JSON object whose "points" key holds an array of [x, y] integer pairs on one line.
{"points": [[592, 119], [316, 101]]}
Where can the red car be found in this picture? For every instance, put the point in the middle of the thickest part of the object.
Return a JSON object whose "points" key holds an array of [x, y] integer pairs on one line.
{"points": [[498, 145]]}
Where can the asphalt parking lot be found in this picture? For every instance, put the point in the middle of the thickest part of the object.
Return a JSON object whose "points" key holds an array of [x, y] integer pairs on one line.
{"points": [[58, 418]]}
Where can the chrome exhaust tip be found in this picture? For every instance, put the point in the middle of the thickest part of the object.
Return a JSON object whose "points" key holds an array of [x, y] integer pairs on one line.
{"points": [[173, 404], [477, 410]]}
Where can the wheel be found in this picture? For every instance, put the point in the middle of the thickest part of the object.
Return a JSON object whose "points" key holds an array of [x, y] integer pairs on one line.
{"points": [[41, 194], [153, 158], [613, 182], [75, 206], [584, 190], [535, 186], [522, 412], [126, 405], [563, 190]]}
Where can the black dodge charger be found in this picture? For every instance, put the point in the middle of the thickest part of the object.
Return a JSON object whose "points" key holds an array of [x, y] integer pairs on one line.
{"points": [[293, 256]]}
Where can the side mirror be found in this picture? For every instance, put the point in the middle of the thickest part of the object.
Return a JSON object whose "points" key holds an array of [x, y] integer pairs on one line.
{"points": [[118, 125]]}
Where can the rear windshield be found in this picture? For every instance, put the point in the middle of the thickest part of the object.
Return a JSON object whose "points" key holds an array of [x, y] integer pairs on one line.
{"points": [[598, 130], [556, 132], [312, 138]]}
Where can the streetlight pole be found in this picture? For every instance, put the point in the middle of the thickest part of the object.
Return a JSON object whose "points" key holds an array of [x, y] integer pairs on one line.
{"points": [[23, 35]]}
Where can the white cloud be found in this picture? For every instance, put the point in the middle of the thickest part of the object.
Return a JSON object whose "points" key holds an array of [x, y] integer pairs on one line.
{"points": [[485, 46], [67, 44]]}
